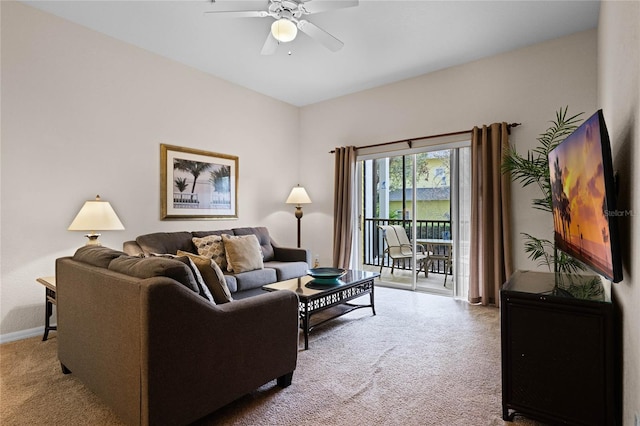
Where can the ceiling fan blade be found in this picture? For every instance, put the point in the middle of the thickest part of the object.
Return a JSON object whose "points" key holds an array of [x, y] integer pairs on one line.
{"points": [[316, 6], [320, 35], [270, 45], [239, 13]]}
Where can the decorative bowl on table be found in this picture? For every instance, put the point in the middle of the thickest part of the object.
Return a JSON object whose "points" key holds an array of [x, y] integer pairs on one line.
{"points": [[325, 276]]}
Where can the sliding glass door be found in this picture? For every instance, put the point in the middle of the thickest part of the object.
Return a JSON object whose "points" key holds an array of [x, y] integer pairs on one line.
{"points": [[421, 197]]}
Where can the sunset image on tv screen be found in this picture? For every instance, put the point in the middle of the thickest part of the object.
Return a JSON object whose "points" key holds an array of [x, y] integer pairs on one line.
{"points": [[578, 193]]}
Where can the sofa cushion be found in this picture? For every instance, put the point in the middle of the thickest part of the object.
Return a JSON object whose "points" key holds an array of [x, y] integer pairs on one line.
{"points": [[255, 279], [243, 253], [148, 267], [212, 247], [97, 255], [165, 242], [212, 276], [231, 281], [264, 239], [288, 270]]}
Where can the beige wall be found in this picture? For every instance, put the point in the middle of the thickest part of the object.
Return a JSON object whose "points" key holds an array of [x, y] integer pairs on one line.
{"points": [[85, 114], [619, 98], [527, 85]]}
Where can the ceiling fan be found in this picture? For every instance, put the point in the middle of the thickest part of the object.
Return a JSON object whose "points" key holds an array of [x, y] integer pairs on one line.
{"points": [[287, 15]]}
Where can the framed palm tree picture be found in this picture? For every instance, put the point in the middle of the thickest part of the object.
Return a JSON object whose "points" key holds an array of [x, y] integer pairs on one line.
{"points": [[197, 184]]}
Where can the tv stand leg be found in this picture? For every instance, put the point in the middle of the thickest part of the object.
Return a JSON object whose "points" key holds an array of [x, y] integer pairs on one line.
{"points": [[506, 416]]}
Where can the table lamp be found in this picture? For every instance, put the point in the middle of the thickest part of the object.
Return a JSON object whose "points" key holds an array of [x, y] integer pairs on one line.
{"points": [[96, 215], [298, 196]]}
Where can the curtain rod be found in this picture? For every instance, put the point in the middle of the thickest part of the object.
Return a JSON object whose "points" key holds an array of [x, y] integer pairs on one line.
{"points": [[409, 141]]}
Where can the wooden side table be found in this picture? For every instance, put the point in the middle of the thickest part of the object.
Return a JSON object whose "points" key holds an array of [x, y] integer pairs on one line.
{"points": [[49, 284]]}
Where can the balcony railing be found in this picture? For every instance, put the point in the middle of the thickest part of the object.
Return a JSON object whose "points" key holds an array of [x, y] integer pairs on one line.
{"points": [[374, 245]]}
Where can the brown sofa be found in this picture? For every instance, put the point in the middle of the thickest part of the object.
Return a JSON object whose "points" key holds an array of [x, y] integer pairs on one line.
{"points": [[280, 263], [155, 350]]}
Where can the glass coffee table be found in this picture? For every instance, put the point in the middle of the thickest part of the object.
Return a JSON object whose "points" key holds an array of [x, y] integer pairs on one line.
{"points": [[318, 295]]}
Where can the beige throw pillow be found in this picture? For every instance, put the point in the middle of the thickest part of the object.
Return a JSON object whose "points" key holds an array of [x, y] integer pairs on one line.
{"points": [[212, 276], [243, 253], [212, 247], [199, 286]]}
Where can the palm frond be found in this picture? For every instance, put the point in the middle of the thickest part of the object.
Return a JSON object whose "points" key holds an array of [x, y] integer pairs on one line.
{"points": [[181, 183], [560, 129], [589, 290], [566, 264], [543, 204], [527, 170], [538, 250]]}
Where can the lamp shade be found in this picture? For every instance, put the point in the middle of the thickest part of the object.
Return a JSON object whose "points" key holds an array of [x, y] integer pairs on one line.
{"points": [[298, 196], [96, 215], [284, 30]]}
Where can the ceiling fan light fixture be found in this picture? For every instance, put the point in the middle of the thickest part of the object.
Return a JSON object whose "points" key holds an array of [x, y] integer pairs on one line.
{"points": [[284, 30]]}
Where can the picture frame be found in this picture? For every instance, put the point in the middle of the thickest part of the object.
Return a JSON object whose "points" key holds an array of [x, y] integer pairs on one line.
{"points": [[197, 184]]}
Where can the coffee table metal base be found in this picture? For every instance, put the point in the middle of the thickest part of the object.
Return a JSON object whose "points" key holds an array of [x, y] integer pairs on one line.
{"points": [[315, 296], [324, 301]]}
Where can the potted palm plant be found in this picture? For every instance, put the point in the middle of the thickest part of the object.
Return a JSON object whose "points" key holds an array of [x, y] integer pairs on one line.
{"points": [[533, 169]]}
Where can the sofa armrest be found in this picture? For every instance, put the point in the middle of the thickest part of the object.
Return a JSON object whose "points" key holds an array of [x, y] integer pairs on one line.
{"points": [[200, 357], [99, 333], [290, 254]]}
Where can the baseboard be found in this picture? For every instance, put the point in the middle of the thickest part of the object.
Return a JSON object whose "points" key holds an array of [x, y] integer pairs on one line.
{"points": [[437, 292], [390, 284], [22, 334]]}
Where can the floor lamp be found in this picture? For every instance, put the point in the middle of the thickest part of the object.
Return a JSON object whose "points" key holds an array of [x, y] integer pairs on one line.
{"points": [[298, 196]]}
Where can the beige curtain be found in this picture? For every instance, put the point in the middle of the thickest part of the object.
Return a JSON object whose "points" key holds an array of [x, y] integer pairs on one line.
{"points": [[343, 202], [490, 256]]}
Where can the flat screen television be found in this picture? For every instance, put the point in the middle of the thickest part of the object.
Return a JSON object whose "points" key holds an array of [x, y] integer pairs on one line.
{"points": [[583, 196]]}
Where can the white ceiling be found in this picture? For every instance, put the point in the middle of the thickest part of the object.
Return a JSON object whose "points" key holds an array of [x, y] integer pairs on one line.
{"points": [[385, 40]]}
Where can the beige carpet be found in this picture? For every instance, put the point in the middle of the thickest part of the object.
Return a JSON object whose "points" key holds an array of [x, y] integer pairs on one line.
{"points": [[422, 360]]}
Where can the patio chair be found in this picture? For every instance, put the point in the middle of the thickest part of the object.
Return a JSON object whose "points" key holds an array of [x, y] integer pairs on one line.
{"points": [[446, 257], [399, 247]]}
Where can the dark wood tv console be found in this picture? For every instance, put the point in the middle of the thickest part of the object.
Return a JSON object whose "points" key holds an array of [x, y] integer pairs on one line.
{"points": [[559, 350]]}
